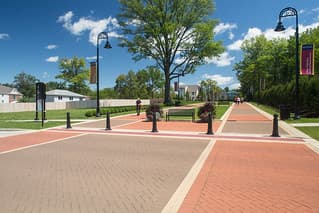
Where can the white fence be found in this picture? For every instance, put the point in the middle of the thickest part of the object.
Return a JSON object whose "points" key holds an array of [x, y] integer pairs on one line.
{"points": [[21, 107]]}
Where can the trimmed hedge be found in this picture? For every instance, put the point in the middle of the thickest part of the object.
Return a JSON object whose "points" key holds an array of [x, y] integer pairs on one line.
{"points": [[111, 110], [285, 94]]}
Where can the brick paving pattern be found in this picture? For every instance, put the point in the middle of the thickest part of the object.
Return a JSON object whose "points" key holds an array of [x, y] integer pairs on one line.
{"points": [[256, 177], [108, 171], [241, 176], [96, 173]]}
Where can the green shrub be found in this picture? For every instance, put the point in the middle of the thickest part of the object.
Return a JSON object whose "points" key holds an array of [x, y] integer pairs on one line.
{"points": [[203, 111]]}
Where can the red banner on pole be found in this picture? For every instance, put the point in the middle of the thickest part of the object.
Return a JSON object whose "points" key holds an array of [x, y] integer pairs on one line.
{"points": [[307, 59], [93, 73]]}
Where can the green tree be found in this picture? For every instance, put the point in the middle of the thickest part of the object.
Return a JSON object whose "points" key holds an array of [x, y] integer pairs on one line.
{"points": [[151, 80], [52, 85], [75, 74], [209, 89], [176, 34], [25, 83], [120, 86]]}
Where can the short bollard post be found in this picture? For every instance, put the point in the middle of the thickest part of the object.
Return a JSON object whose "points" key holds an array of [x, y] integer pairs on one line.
{"points": [[210, 124], [275, 132], [154, 129], [108, 123], [68, 122]]}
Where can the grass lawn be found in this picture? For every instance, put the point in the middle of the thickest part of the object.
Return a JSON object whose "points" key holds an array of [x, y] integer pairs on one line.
{"points": [[312, 131], [25, 120], [272, 110]]}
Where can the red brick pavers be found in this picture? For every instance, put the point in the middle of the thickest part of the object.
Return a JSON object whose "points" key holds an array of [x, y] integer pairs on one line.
{"points": [[24, 140], [185, 126], [256, 177]]}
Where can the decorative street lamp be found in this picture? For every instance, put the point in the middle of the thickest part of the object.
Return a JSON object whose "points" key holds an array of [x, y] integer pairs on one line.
{"points": [[102, 35], [290, 11]]}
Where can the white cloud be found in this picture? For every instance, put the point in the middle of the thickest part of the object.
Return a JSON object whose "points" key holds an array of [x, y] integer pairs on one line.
{"points": [[221, 80], [235, 45], [94, 27], [231, 36], [93, 57], [315, 9], [52, 59], [4, 36], [51, 46], [223, 27], [270, 34], [223, 60], [234, 86]]}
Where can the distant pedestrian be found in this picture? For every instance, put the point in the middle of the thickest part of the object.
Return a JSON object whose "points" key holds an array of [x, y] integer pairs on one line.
{"points": [[238, 100], [138, 106]]}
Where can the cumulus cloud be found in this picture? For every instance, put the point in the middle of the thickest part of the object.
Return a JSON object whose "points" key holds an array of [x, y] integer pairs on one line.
{"points": [[92, 57], [221, 80], [87, 24], [225, 27], [4, 36], [52, 59], [51, 46], [270, 34], [234, 86], [223, 60]]}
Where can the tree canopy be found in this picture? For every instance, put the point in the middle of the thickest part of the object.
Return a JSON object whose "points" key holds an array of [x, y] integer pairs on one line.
{"points": [[145, 83], [74, 74], [176, 34], [25, 83]]}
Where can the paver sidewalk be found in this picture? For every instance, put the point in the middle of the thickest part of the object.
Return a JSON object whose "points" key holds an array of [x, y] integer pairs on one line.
{"points": [[241, 176]]}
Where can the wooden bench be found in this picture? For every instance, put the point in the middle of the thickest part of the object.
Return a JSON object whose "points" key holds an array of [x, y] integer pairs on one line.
{"points": [[180, 112]]}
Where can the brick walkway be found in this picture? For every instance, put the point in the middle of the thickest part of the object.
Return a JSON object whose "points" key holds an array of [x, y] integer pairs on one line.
{"points": [[130, 169], [240, 176]]}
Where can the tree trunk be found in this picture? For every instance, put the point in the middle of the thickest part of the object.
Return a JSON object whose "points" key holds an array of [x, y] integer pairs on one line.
{"points": [[167, 96]]}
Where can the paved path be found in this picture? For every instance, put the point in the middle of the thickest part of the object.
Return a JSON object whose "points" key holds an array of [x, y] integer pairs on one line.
{"points": [[179, 169], [241, 176]]}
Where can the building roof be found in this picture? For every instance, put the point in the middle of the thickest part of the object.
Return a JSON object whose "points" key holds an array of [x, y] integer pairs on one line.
{"points": [[61, 92], [9, 91]]}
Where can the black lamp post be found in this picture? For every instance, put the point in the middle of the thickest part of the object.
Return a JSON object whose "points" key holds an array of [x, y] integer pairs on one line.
{"points": [[290, 11], [102, 35]]}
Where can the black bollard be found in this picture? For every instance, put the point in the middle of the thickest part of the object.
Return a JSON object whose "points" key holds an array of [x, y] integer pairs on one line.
{"points": [[210, 124], [275, 132], [108, 123], [154, 129], [68, 122]]}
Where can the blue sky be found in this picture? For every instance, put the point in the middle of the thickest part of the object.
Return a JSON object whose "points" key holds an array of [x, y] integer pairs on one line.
{"points": [[34, 34]]}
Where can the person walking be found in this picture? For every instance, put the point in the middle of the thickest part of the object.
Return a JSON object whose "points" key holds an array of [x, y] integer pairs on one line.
{"points": [[138, 106]]}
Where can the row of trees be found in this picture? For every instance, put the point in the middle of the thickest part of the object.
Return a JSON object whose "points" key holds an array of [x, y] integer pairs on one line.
{"points": [[267, 64], [146, 83]]}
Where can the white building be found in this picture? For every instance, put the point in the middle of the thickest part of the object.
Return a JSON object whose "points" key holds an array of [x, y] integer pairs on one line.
{"points": [[59, 95], [9, 95], [192, 90]]}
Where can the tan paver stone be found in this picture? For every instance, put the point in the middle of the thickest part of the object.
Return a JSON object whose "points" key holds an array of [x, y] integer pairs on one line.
{"points": [[96, 173]]}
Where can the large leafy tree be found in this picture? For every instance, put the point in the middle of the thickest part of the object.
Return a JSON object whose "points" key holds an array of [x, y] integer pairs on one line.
{"points": [[25, 83], [75, 74], [176, 34], [144, 84]]}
